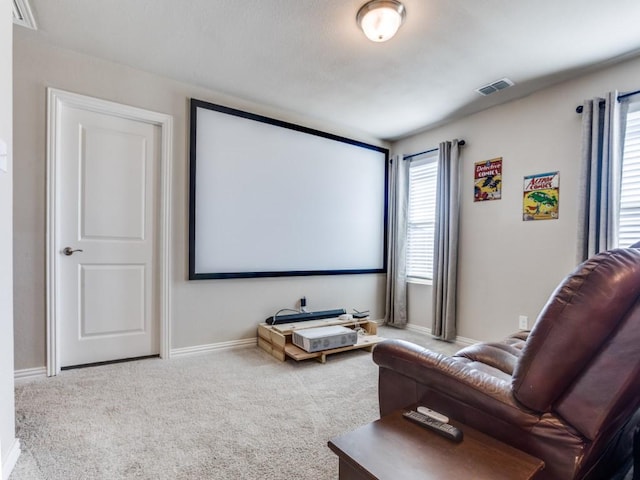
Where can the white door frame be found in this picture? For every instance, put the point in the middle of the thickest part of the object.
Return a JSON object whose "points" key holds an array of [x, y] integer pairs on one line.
{"points": [[56, 99]]}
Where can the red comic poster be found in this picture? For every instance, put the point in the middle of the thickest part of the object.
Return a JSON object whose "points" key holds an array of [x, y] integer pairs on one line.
{"points": [[541, 196], [487, 180]]}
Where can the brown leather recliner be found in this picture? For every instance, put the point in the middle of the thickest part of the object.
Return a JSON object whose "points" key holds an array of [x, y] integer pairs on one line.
{"points": [[568, 392]]}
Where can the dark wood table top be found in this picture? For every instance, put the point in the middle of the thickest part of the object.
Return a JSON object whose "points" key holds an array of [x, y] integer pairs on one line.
{"points": [[393, 447]]}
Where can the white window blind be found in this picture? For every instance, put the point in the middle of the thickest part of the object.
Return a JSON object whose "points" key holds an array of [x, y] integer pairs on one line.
{"points": [[421, 216], [629, 228]]}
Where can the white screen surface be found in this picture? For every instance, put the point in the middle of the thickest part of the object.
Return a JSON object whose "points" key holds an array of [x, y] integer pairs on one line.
{"points": [[272, 199]]}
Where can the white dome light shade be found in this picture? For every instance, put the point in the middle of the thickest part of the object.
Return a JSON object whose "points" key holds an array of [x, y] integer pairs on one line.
{"points": [[380, 19]]}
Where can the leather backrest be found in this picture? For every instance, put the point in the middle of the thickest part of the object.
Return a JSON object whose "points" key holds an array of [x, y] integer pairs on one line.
{"points": [[582, 314], [607, 392]]}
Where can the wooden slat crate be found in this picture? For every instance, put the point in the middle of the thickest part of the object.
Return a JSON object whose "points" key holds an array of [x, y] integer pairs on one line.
{"points": [[276, 339]]}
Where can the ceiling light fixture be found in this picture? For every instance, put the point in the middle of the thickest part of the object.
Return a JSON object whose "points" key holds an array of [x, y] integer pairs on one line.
{"points": [[381, 19]]}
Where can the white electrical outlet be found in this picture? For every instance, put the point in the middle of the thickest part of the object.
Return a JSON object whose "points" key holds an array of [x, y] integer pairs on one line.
{"points": [[523, 322]]}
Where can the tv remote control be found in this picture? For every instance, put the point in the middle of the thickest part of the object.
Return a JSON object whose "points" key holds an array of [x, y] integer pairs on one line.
{"points": [[444, 429], [433, 414]]}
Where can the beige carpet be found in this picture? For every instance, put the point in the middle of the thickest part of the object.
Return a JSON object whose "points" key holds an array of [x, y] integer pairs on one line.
{"points": [[236, 414]]}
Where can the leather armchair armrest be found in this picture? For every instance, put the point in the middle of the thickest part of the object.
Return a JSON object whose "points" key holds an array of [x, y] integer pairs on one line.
{"points": [[456, 386]]}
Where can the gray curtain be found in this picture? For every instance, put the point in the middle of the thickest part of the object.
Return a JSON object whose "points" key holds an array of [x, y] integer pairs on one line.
{"points": [[396, 298], [599, 186], [445, 255]]}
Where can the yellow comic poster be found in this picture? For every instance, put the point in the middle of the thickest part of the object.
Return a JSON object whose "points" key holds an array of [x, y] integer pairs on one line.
{"points": [[487, 180], [541, 196]]}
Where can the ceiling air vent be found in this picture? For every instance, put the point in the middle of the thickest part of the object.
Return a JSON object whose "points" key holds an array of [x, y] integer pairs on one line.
{"points": [[22, 14], [495, 86]]}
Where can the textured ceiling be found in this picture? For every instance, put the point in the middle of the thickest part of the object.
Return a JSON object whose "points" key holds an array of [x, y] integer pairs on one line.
{"points": [[310, 58]]}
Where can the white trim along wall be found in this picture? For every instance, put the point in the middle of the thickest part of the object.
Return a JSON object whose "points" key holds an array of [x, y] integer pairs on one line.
{"points": [[9, 445], [11, 460]]}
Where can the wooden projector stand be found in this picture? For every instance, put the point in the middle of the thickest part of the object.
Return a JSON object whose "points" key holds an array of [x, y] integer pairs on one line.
{"points": [[276, 339]]}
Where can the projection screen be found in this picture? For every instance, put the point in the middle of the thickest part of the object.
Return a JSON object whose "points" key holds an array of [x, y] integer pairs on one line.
{"points": [[271, 198]]}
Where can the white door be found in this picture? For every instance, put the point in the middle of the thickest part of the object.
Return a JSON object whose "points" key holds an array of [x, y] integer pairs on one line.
{"points": [[106, 239]]}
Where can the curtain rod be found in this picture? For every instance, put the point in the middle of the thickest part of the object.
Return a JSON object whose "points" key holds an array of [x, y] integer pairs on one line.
{"points": [[409, 157], [579, 108]]}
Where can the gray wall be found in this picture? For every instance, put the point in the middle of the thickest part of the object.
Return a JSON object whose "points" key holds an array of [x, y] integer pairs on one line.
{"points": [[8, 444], [509, 267], [203, 312]]}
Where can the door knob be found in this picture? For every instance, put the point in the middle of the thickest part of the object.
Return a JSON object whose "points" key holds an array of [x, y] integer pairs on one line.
{"points": [[69, 251]]}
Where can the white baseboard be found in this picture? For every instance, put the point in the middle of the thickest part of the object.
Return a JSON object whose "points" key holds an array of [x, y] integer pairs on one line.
{"points": [[12, 458], [39, 372], [466, 341], [212, 347], [418, 328], [426, 330], [29, 373]]}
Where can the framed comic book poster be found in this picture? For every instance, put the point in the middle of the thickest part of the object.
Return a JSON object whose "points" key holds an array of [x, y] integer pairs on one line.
{"points": [[541, 196], [487, 183]]}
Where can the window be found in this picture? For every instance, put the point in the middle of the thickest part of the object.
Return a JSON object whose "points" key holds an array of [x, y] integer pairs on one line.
{"points": [[629, 227], [421, 216]]}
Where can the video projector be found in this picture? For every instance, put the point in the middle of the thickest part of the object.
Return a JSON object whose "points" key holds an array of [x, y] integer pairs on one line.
{"points": [[304, 316], [324, 338]]}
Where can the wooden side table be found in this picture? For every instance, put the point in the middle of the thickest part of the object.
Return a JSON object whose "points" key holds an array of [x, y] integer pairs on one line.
{"points": [[393, 448]]}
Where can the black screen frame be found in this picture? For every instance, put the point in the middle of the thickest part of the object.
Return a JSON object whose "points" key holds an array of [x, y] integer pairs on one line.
{"points": [[196, 104]]}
